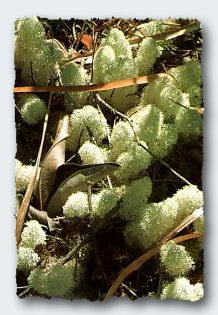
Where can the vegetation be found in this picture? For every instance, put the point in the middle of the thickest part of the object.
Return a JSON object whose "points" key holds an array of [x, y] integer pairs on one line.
{"points": [[113, 172]]}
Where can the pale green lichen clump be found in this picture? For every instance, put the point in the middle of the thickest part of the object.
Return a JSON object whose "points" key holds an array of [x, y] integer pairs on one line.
{"points": [[23, 175], [181, 289], [133, 161], [164, 143], [188, 122], [187, 75], [118, 42], [73, 74], [141, 190], [76, 206], [165, 95], [146, 56], [33, 55], [33, 234], [199, 225], [33, 109], [150, 28], [147, 122], [153, 221], [92, 154], [175, 259], [160, 116], [102, 202], [113, 61], [189, 198], [27, 259], [55, 280], [86, 124]]}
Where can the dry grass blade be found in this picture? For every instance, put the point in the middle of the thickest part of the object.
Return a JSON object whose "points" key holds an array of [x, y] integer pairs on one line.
{"points": [[188, 220], [23, 208], [26, 200], [93, 87], [137, 263]]}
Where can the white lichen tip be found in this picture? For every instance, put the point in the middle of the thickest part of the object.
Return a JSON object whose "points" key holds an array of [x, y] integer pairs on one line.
{"points": [[122, 138], [189, 198], [103, 61], [27, 259], [76, 206], [181, 289], [164, 143], [86, 124], [33, 234], [116, 40], [91, 153], [147, 122], [33, 109], [23, 175]]}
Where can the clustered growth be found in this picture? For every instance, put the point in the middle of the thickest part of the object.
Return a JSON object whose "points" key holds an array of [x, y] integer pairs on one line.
{"points": [[162, 114], [32, 236]]}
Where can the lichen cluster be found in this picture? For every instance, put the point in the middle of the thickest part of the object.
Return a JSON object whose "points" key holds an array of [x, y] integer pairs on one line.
{"points": [[32, 236], [161, 115]]}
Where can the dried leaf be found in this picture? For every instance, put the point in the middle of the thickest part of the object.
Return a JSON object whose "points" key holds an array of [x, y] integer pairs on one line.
{"points": [[54, 158], [87, 40], [43, 218], [77, 181]]}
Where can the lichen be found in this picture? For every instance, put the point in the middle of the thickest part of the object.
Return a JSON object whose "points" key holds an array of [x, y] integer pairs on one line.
{"points": [[181, 289]]}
